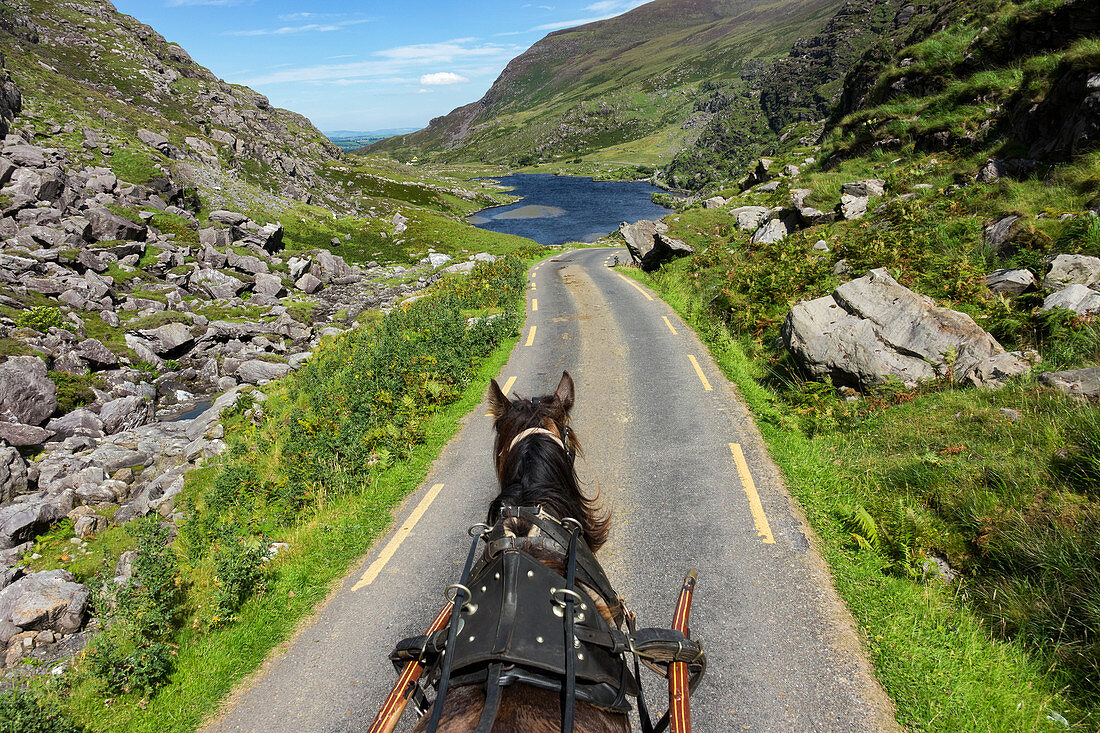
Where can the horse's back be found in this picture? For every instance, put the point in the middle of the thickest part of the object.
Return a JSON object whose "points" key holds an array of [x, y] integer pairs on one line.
{"points": [[523, 709]]}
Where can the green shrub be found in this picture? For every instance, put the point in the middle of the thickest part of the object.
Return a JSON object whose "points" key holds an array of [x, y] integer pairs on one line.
{"points": [[22, 712], [134, 653], [239, 567], [41, 318], [74, 390]]}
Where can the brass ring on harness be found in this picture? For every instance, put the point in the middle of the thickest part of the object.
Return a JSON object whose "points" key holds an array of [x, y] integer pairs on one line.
{"points": [[555, 592], [479, 529], [457, 587]]}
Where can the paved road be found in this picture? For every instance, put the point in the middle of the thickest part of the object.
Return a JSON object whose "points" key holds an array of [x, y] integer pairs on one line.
{"points": [[669, 444]]}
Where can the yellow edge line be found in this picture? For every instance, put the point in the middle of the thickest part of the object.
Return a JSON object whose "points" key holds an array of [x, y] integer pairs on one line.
{"points": [[534, 304], [699, 371], [399, 537], [669, 324], [763, 529], [531, 336], [635, 285]]}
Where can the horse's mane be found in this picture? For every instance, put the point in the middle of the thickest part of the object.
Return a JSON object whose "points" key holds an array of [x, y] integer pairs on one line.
{"points": [[536, 471]]}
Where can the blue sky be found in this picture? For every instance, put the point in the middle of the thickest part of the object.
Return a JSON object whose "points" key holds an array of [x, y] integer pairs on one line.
{"points": [[364, 65]]}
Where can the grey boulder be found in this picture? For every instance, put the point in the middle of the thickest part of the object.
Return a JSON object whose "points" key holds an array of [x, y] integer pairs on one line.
{"points": [[13, 474], [18, 434], [1080, 299], [170, 340], [1072, 270], [649, 245], [873, 328], [77, 422], [258, 371], [268, 284], [96, 353], [27, 394], [308, 283], [852, 207], [1074, 382], [998, 233], [232, 218], [1010, 282], [866, 188], [125, 413], [48, 601], [107, 225], [26, 519], [749, 217]]}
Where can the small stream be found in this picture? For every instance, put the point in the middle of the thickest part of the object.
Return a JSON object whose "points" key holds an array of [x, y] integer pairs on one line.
{"points": [[560, 209]]}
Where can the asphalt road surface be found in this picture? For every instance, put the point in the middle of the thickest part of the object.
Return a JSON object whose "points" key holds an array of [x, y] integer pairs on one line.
{"points": [[669, 445]]}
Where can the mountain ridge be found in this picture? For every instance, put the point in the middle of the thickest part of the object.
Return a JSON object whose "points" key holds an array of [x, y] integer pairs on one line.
{"points": [[604, 83]]}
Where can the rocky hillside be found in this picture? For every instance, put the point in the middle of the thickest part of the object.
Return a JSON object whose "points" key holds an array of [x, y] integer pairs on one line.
{"points": [[93, 78], [628, 82], [168, 242]]}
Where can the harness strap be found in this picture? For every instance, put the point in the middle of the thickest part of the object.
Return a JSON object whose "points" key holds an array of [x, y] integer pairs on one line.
{"points": [[536, 431], [493, 694], [653, 646], [569, 689], [462, 594]]}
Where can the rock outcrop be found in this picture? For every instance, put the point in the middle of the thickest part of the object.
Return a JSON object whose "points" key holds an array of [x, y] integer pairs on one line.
{"points": [[1074, 382], [872, 328], [650, 245]]}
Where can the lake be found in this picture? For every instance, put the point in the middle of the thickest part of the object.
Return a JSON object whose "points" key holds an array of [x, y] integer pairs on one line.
{"points": [[560, 209]]}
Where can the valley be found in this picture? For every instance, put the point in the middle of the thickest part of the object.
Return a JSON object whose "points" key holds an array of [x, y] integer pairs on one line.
{"points": [[230, 349]]}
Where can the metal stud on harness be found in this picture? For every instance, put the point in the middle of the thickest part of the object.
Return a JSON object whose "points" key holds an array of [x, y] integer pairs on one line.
{"points": [[564, 644]]}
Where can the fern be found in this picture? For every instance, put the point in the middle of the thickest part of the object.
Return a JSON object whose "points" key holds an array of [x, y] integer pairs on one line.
{"points": [[861, 525]]}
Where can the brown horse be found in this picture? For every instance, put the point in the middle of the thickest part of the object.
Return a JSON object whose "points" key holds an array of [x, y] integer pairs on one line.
{"points": [[535, 468]]}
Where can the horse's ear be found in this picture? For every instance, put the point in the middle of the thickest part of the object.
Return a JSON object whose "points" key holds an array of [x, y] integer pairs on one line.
{"points": [[564, 392], [498, 403]]}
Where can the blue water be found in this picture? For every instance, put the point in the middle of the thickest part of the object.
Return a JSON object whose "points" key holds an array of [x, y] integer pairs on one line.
{"points": [[577, 209]]}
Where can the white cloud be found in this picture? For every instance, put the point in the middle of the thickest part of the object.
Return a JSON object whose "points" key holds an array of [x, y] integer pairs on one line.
{"points": [[398, 62], [615, 6], [179, 3], [606, 8], [292, 29], [442, 78], [558, 25]]}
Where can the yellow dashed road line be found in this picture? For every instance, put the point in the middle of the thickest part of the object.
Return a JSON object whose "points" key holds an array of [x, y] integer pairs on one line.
{"points": [[534, 304], [669, 324], [699, 371], [531, 336], [763, 529], [635, 285], [398, 537]]}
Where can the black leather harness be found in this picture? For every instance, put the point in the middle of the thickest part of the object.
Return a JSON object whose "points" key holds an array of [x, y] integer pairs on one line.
{"points": [[519, 621]]}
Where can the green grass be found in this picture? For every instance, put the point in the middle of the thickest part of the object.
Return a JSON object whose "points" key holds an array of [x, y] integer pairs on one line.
{"points": [[937, 658]]}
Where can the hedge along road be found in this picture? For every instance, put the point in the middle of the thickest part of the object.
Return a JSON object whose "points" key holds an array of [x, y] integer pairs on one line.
{"points": [[670, 447]]}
